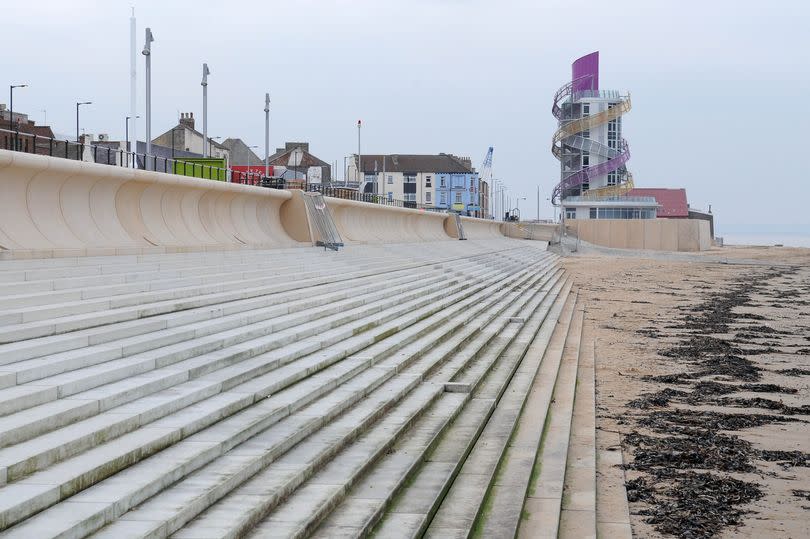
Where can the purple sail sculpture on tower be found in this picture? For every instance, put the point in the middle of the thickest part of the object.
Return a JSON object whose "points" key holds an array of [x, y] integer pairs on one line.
{"points": [[588, 140]]}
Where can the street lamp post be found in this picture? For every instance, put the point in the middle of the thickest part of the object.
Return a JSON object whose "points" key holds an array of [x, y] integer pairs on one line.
{"points": [[538, 203], [126, 123], [77, 116], [267, 134], [147, 51], [11, 108], [359, 157], [204, 84], [517, 205]]}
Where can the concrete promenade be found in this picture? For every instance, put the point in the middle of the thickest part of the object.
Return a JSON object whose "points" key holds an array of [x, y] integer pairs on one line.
{"points": [[408, 385]]}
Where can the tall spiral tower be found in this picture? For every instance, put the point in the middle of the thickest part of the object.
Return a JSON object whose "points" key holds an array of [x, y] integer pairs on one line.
{"points": [[588, 142]]}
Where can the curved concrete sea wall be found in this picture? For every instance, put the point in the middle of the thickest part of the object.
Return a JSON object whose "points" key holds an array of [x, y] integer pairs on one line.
{"points": [[480, 229], [57, 207], [531, 231], [360, 222]]}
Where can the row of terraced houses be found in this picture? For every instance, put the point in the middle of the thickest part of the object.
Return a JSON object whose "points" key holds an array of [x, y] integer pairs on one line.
{"points": [[442, 181]]}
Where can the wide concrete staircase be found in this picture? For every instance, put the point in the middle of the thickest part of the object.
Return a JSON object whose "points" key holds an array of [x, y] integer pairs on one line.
{"points": [[442, 389]]}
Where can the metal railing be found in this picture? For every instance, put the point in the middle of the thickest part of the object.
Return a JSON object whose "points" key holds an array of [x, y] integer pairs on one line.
{"points": [[326, 232], [103, 154], [611, 198], [372, 198], [22, 141]]}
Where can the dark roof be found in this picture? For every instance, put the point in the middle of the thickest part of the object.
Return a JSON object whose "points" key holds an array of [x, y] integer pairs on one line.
{"points": [[414, 163], [672, 201], [282, 158]]}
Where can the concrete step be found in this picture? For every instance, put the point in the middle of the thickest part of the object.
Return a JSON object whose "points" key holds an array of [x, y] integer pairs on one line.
{"points": [[292, 467], [99, 272], [194, 307], [26, 424], [503, 507], [612, 509], [543, 504], [463, 504], [123, 279], [220, 346], [154, 437], [162, 330], [578, 515], [412, 480], [56, 318], [301, 512]]}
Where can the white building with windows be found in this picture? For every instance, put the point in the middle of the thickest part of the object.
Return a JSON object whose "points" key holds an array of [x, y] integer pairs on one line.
{"points": [[440, 181], [591, 150]]}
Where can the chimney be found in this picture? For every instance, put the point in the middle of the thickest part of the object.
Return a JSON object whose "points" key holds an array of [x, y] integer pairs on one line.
{"points": [[187, 119], [293, 145]]}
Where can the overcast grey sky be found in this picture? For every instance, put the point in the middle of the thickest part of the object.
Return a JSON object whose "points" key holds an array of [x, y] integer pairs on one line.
{"points": [[720, 87]]}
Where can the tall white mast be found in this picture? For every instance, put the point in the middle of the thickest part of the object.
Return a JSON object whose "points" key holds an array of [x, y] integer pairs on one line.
{"points": [[133, 88]]}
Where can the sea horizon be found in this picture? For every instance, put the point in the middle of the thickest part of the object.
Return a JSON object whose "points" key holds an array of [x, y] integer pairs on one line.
{"points": [[796, 235]]}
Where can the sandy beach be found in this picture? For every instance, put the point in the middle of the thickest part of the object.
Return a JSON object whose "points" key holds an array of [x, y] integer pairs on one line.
{"points": [[703, 374]]}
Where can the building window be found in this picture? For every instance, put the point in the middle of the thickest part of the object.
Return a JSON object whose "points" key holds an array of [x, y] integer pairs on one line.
{"points": [[410, 197], [593, 213], [428, 179], [612, 177], [410, 178], [625, 213], [586, 111], [390, 195], [586, 159], [570, 213], [443, 198], [370, 177], [458, 197], [390, 179], [427, 197], [442, 181]]}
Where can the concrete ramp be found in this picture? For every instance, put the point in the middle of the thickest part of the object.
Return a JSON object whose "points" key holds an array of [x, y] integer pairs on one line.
{"points": [[58, 207]]}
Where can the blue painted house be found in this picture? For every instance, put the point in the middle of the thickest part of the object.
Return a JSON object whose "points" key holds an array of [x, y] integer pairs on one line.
{"points": [[458, 191]]}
